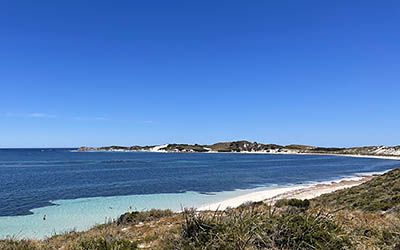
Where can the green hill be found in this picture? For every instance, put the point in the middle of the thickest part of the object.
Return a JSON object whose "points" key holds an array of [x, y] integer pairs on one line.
{"points": [[381, 194]]}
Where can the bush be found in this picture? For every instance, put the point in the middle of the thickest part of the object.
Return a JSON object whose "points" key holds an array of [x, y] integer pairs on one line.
{"points": [[304, 204], [136, 217]]}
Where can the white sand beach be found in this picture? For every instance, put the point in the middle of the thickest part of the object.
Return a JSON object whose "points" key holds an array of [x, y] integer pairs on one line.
{"points": [[300, 192], [319, 189], [358, 156]]}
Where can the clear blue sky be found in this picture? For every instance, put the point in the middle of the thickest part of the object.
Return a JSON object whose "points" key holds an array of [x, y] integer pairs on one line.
{"points": [[149, 72]]}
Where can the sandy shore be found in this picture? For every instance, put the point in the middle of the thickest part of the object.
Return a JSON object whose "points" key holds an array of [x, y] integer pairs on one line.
{"points": [[299, 192], [319, 189], [394, 157], [358, 156]]}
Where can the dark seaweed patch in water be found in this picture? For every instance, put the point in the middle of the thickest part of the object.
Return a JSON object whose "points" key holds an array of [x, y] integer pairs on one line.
{"points": [[207, 193]]}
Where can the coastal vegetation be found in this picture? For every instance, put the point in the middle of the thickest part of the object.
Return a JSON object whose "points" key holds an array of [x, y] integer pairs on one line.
{"points": [[382, 194], [258, 226], [362, 217]]}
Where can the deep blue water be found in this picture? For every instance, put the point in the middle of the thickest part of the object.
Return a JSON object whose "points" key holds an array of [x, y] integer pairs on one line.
{"points": [[31, 178]]}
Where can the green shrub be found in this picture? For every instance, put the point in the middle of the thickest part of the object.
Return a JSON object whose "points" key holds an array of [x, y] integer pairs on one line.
{"points": [[136, 217], [304, 204], [299, 203]]}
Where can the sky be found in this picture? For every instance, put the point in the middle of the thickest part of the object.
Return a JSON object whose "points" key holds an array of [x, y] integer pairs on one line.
{"points": [[77, 72]]}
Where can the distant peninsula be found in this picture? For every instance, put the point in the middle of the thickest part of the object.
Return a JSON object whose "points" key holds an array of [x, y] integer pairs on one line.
{"points": [[253, 147]]}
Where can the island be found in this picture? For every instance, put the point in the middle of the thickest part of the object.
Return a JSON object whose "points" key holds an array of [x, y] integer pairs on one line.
{"points": [[245, 146]]}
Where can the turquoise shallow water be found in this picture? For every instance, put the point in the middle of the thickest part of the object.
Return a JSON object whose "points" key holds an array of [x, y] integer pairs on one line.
{"points": [[83, 213]]}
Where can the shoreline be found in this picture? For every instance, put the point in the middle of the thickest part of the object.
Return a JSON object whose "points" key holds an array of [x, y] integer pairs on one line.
{"points": [[305, 191], [62, 217], [385, 157], [320, 189]]}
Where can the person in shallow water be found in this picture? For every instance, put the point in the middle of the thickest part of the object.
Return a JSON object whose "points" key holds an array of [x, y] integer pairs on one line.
{"points": [[44, 217]]}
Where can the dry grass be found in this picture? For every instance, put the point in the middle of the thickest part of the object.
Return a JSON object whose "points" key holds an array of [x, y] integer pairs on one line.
{"points": [[258, 226], [369, 230]]}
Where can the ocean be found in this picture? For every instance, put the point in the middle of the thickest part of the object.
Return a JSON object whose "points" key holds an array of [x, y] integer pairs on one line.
{"points": [[76, 190]]}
